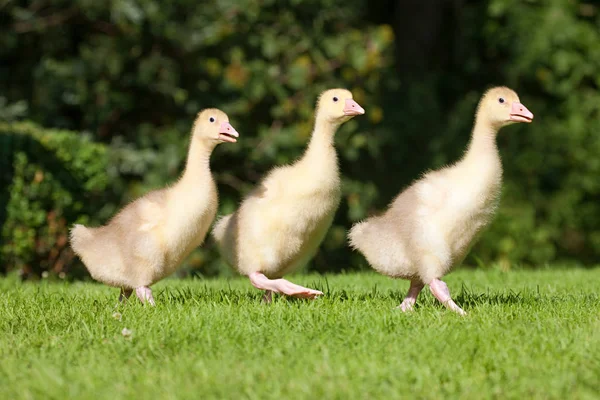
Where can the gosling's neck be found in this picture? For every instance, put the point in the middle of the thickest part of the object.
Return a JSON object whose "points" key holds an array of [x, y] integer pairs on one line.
{"points": [[197, 167], [483, 141], [321, 146]]}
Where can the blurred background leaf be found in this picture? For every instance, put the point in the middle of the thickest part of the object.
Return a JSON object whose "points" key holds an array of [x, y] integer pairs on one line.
{"points": [[116, 85]]}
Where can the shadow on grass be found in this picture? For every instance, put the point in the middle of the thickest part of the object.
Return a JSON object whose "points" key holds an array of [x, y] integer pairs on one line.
{"points": [[471, 299], [206, 294], [465, 297]]}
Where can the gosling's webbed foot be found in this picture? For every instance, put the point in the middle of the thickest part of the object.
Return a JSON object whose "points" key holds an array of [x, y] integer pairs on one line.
{"points": [[441, 292], [411, 296], [144, 293], [260, 281]]}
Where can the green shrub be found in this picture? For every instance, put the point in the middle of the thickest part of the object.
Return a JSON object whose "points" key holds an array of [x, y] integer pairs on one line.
{"points": [[139, 71], [550, 207], [50, 179], [135, 72]]}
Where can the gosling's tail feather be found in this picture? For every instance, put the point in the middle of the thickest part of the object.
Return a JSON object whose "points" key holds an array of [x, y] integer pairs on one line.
{"points": [[98, 254], [225, 235], [79, 237], [356, 234], [360, 239], [219, 232]]}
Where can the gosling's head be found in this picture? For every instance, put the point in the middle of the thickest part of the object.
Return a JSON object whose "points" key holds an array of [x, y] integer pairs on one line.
{"points": [[213, 125], [337, 106], [500, 106]]}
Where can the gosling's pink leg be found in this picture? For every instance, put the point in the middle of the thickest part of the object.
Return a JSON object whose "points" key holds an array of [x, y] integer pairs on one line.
{"points": [[260, 281], [441, 292], [124, 295], [411, 296], [144, 293]]}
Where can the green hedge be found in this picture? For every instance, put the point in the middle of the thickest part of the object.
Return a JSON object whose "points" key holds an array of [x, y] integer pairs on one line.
{"points": [[50, 179], [135, 72]]}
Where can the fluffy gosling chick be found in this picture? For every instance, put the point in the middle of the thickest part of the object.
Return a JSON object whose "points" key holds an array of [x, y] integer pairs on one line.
{"points": [[148, 238], [429, 228], [281, 223]]}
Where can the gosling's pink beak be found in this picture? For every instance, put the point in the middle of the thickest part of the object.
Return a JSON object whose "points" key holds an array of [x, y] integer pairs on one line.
{"points": [[227, 133], [520, 113], [352, 108]]}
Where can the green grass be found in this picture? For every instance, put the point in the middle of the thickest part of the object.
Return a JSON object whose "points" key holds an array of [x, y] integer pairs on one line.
{"points": [[528, 334]]}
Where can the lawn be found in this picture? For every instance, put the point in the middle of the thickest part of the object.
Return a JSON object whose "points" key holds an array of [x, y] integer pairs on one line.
{"points": [[528, 334]]}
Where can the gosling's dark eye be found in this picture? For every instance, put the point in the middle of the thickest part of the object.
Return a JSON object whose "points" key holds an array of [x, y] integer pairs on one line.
{"points": [[501, 100], [335, 99], [211, 119]]}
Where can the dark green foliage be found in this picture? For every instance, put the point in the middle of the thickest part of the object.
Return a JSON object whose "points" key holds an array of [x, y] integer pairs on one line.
{"points": [[49, 179], [138, 72], [550, 205], [135, 73]]}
